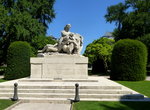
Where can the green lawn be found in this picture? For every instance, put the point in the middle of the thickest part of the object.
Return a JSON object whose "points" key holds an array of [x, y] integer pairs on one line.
{"points": [[142, 87], [111, 106], [5, 103], [2, 80]]}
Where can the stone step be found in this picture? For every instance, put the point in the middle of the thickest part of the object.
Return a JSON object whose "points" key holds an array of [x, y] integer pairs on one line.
{"points": [[59, 87], [117, 99], [68, 101], [48, 80], [2, 97], [41, 100], [88, 91], [58, 95]]}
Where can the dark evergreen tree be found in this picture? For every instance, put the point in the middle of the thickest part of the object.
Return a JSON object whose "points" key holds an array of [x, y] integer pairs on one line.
{"points": [[22, 20]]}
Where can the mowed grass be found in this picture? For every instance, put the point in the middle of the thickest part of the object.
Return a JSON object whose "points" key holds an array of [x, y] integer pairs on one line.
{"points": [[142, 87], [93, 105], [5, 103], [2, 80]]}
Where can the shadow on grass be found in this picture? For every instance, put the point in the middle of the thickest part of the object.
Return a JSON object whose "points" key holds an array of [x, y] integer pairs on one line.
{"points": [[126, 106], [104, 105], [114, 107], [137, 105]]}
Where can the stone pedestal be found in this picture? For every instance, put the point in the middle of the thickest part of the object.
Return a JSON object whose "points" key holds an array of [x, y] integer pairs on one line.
{"points": [[59, 67]]}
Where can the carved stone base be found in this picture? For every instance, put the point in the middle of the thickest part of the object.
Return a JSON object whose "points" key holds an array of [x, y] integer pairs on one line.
{"points": [[59, 67]]}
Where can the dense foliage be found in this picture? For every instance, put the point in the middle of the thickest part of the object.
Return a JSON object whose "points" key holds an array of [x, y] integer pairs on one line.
{"points": [[146, 40], [129, 58], [99, 50], [22, 20], [131, 17], [18, 61], [38, 42], [2, 70]]}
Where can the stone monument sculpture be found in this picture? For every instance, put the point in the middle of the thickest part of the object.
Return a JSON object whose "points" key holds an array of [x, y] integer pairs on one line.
{"points": [[69, 43], [61, 60]]}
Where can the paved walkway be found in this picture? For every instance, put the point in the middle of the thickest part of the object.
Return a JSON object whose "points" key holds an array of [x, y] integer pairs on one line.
{"points": [[41, 106], [1, 76], [148, 78]]}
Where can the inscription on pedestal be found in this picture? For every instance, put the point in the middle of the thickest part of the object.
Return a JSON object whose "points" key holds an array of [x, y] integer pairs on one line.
{"points": [[59, 67]]}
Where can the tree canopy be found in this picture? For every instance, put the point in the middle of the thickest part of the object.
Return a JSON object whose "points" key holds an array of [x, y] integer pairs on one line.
{"points": [[146, 40], [38, 42], [100, 49], [22, 20], [132, 18]]}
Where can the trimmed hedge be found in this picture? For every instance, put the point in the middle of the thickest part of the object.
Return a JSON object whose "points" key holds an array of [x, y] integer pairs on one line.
{"points": [[18, 60], [129, 59]]}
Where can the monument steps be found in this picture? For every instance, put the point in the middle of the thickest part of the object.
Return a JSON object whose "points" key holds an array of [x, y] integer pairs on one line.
{"points": [[71, 96], [41, 86], [57, 80], [85, 91], [61, 91], [68, 92]]}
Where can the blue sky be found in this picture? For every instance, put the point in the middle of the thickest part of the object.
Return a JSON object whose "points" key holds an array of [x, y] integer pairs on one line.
{"points": [[85, 16]]}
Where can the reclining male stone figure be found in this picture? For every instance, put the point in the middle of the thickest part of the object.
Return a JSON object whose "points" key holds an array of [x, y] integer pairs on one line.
{"points": [[70, 43]]}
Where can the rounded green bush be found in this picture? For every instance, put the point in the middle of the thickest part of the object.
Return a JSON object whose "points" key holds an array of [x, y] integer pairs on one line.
{"points": [[18, 60], [129, 59]]}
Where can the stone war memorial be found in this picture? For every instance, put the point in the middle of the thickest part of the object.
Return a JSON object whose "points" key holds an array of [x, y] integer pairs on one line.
{"points": [[59, 75], [61, 60]]}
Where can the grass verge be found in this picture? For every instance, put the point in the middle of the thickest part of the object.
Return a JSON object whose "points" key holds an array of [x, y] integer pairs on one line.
{"points": [[142, 87], [3, 80], [93, 105], [5, 103]]}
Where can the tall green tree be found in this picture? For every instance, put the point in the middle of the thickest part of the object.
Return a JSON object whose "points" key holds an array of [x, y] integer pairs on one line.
{"points": [[146, 40], [116, 13], [100, 49], [131, 17], [22, 20]]}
